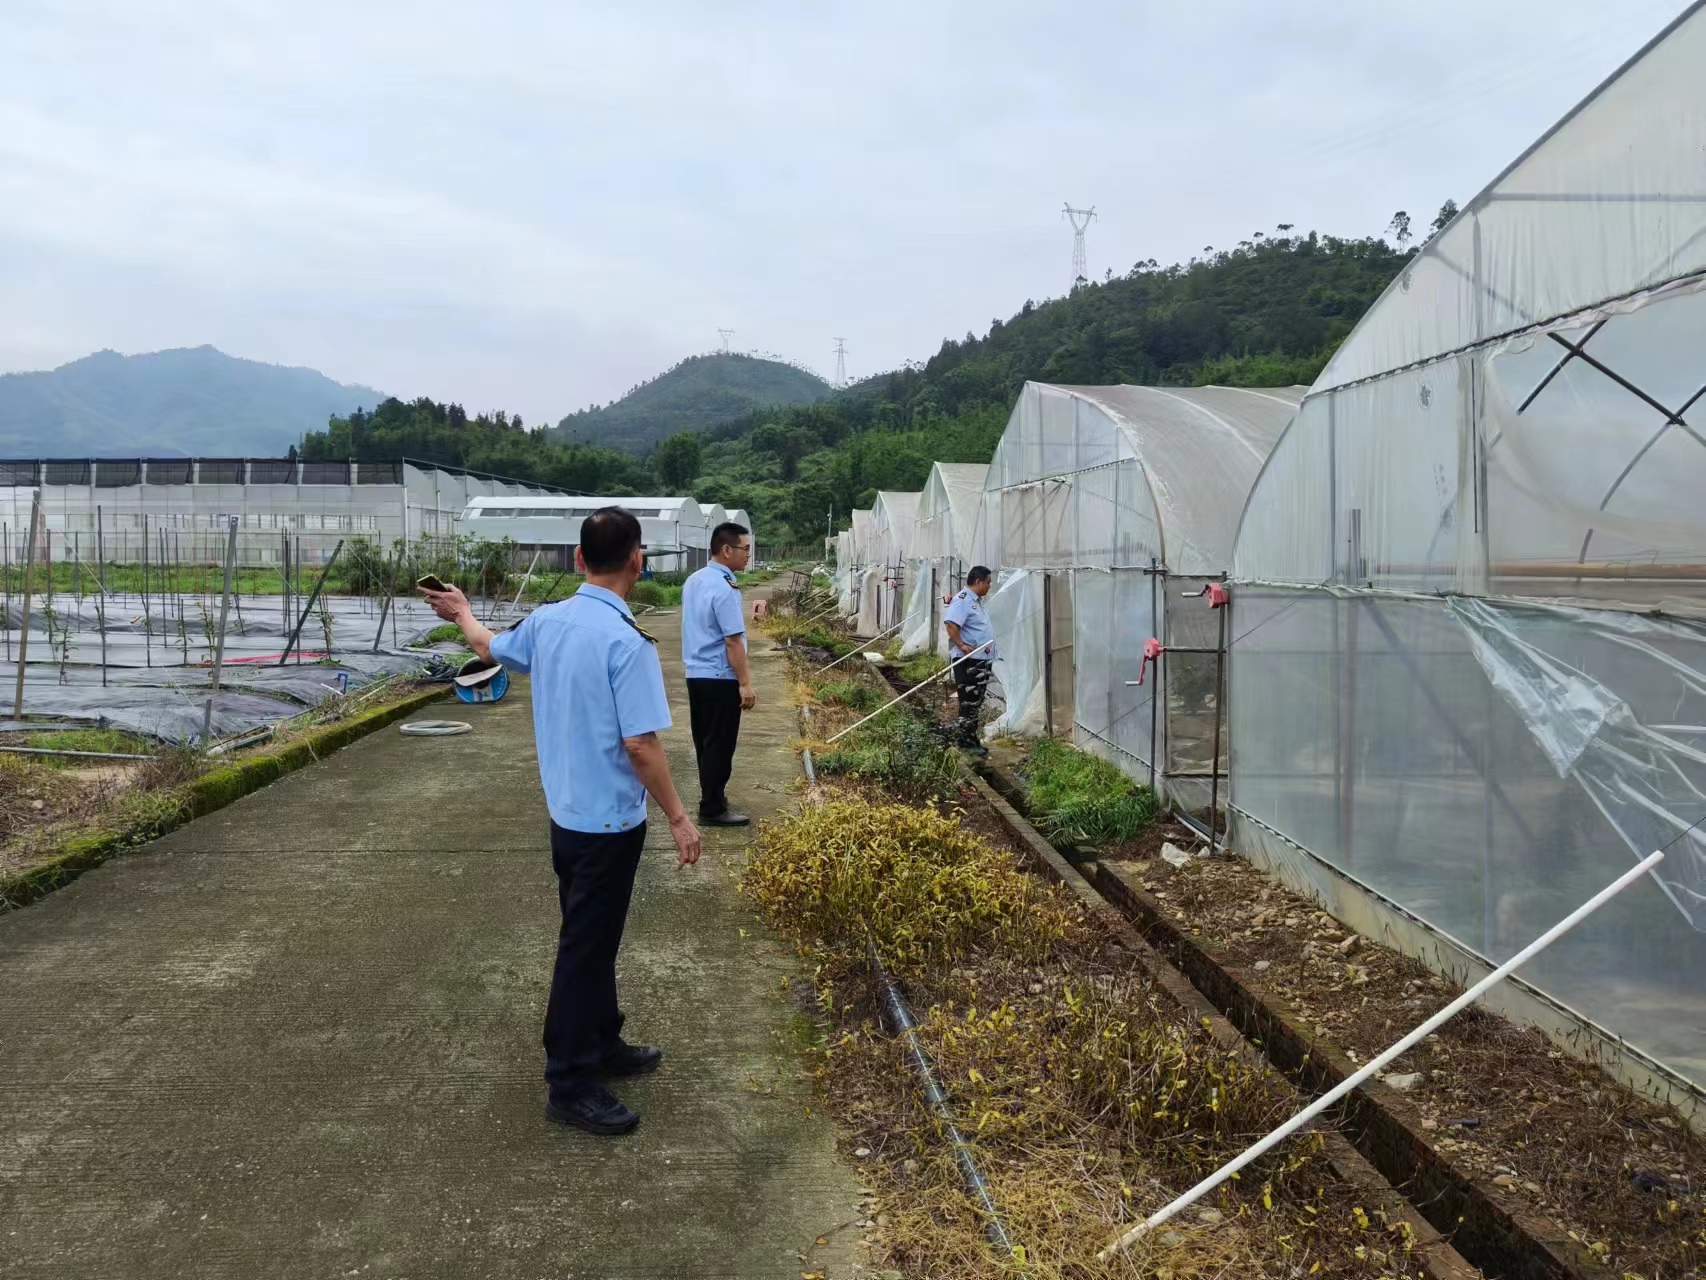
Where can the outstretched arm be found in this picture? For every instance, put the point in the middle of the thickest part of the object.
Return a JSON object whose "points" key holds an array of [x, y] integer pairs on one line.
{"points": [[453, 606]]}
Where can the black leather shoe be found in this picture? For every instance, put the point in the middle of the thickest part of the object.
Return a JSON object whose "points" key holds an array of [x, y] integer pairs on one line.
{"points": [[727, 818], [592, 1108], [631, 1059]]}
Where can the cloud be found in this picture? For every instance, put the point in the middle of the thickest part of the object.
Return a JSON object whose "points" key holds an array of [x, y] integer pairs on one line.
{"points": [[537, 205]]}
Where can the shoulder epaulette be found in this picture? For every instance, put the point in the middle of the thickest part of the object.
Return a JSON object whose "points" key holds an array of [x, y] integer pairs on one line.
{"points": [[649, 637]]}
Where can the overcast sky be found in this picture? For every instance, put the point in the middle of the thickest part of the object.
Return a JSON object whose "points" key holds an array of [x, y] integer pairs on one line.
{"points": [[536, 205]]}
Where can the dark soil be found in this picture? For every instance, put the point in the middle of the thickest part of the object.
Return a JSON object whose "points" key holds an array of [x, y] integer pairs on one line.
{"points": [[1622, 1174]]}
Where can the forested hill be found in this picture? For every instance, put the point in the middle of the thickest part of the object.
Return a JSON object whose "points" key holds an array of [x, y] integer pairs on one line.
{"points": [[1268, 312], [698, 393]]}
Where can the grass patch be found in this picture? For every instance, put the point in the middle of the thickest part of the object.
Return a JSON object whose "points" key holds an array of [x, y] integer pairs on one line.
{"points": [[444, 633], [114, 740], [925, 889], [919, 668], [656, 594], [899, 752], [1082, 798], [855, 695]]}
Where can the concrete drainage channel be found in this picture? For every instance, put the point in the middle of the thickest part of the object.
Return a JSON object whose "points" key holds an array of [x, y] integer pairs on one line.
{"points": [[1484, 1233]]}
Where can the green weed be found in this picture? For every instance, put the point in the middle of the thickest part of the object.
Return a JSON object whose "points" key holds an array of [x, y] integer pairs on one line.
{"points": [[851, 694], [899, 753], [1082, 798]]}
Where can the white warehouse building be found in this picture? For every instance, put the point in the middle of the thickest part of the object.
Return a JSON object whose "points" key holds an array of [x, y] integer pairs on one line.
{"points": [[117, 508], [676, 531]]}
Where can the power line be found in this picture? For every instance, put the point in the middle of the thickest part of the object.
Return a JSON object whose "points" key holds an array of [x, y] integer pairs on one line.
{"points": [[841, 362], [725, 334]]}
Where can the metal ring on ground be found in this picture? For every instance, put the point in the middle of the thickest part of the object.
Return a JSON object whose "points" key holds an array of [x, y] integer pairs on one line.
{"points": [[434, 728]]}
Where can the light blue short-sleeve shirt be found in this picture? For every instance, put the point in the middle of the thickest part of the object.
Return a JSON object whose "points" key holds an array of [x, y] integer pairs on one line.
{"points": [[596, 680], [710, 614], [966, 612]]}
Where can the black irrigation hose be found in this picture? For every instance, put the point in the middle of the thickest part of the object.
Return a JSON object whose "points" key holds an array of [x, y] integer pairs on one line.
{"points": [[901, 1016]]}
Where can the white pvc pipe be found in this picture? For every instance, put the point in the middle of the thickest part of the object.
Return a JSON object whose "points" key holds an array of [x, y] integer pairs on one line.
{"points": [[903, 697], [1439, 1019], [858, 648]]}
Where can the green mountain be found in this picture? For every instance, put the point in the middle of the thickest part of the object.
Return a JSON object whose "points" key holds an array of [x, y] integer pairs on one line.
{"points": [[1267, 313], [189, 401], [698, 393]]}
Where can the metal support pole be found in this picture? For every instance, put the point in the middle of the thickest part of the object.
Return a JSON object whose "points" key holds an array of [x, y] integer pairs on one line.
{"points": [[307, 608], [284, 580], [1379, 1063], [384, 608], [1154, 702], [219, 639], [101, 583], [24, 632], [1048, 653], [1214, 758], [147, 619]]}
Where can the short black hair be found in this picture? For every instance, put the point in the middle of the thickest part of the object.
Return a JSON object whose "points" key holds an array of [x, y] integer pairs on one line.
{"points": [[978, 574], [608, 537], [727, 534]]}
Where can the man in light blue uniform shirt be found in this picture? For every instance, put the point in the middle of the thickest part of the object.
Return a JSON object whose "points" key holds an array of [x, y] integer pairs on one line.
{"points": [[598, 706], [719, 683], [971, 645]]}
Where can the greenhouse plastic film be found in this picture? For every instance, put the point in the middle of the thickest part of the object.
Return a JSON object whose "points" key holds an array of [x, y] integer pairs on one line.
{"points": [[1596, 210], [915, 628], [1365, 730], [1016, 614], [1648, 780]]}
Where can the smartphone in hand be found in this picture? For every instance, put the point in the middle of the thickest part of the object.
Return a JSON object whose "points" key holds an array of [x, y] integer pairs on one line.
{"points": [[430, 582]]}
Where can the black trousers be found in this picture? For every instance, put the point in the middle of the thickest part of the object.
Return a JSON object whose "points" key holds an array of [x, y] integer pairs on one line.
{"points": [[714, 708], [971, 684], [595, 880]]}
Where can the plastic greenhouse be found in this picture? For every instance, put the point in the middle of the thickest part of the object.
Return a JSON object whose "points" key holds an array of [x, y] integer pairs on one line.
{"points": [[867, 575], [738, 516], [1469, 677], [895, 517], [945, 549], [1104, 507], [845, 579]]}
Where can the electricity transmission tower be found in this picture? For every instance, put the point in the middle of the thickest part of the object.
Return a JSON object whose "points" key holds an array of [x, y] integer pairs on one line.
{"points": [[841, 362], [726, 334], [1080, 219]]}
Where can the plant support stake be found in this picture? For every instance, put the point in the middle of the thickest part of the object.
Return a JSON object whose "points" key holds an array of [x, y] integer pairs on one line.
{"points": [[219, 639], [24, 632], [312, 597], [1427, 1028]]}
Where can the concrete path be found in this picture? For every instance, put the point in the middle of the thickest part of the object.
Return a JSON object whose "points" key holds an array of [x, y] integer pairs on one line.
{"points": [[300, 1038]]}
